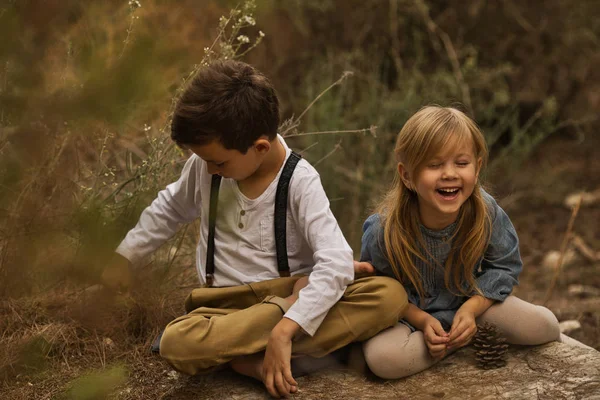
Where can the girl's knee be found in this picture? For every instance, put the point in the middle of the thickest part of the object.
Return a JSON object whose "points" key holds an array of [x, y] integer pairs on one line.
{"points": [[523, 322], [548, 323], [382, 360], [542, 324], [396, 354]]}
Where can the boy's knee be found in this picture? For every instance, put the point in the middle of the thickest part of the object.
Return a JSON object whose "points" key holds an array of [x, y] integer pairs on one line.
{"points": [[172, 345], [175, 349], [392, 297]]}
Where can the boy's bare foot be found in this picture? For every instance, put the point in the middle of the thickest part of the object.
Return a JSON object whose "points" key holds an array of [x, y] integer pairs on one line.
{"points": [[249, 365], [299, 285], [252, 366]]}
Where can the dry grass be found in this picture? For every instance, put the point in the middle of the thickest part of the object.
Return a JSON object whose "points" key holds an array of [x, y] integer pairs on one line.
{"points": [[85, 341]]}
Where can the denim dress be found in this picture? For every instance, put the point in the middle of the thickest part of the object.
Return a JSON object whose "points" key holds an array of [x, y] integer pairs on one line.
{"points": [[496, 273]]}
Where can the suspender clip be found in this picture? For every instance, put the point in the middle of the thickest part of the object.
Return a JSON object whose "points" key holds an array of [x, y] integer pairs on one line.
{"points": [[284, 274], [209, 280]]}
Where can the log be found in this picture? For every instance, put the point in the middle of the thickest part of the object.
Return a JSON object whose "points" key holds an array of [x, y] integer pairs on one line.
{"points": [[551, 371]]}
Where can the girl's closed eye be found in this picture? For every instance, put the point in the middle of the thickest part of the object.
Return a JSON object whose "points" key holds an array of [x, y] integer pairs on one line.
{"points": [[463, 163]]}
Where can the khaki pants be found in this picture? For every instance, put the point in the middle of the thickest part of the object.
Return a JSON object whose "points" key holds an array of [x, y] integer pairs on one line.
{"points": [[225, 323]]}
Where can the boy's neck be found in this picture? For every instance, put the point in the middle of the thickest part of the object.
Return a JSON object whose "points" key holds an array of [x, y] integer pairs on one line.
{"points": [[254, 185]]}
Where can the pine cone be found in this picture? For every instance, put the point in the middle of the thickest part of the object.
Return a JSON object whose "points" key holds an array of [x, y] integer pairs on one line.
{"points": [[490, 346]]}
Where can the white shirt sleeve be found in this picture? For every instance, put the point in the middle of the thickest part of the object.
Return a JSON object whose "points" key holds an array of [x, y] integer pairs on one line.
{"points": [[178, 204], [333, 266]]}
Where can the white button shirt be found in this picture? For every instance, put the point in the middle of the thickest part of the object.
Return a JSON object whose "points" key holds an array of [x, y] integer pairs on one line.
{"points": [[244, 235]]}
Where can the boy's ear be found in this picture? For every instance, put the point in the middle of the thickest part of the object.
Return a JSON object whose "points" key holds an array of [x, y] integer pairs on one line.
{"points": [[404, 175], [262, 145]]}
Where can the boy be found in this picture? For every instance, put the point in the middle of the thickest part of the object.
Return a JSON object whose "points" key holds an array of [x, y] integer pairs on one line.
{"points": [[228, 117]]}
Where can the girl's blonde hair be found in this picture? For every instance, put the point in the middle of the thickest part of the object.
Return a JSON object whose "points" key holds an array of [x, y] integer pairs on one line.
{"points": [[424, 135]]}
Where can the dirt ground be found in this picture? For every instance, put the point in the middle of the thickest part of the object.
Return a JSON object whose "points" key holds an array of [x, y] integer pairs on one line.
{"points": [[535, 201], [100, 350]]}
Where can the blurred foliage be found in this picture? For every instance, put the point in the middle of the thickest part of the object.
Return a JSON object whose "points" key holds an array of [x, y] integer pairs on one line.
{"points": [[501, 62], [84, 134], [86, 91], [32, 357], [96, 385]]}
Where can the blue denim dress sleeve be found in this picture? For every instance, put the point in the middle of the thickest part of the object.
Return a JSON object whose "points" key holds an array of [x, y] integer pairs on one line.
{"points": [[501, 264], [373, 245]]}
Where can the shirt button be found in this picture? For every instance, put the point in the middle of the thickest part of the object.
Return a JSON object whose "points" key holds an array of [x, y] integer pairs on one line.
{"points": [[242, 212], [240, 225]]}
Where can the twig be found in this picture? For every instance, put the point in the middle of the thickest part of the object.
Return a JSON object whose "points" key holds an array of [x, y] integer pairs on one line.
{"points": [[308, 148], [563, 249], [344, 76], [532, 120], [432, 27], [177, 248], [335, 148], [133, 6], [372, 130], [584, 249], [395, 48], [518, 17]]}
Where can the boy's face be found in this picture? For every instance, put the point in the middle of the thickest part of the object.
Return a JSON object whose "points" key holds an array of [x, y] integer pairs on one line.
{"points": [[229, 163]]}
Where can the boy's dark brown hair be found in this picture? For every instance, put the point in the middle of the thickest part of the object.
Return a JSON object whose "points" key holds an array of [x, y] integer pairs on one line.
{"points": [[229, 101]]}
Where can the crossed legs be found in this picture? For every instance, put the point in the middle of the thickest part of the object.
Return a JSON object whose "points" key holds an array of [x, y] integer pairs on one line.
{"points": [[231, 323], [397, 352]]}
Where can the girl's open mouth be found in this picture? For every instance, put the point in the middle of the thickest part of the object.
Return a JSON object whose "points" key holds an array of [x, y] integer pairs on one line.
{"points": [[448, 193]]}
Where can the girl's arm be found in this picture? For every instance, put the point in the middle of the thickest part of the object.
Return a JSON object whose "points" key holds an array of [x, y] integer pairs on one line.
{"points": [[476, 305], [416, 317], [501, 263], [436, 338]]}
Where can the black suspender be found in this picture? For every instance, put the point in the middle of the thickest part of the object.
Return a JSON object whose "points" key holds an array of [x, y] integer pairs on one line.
{"points": [[281, 197], [212, 219]]}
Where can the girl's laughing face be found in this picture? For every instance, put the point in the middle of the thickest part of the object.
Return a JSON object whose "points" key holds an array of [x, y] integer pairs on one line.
{"points": [[443, 184]]}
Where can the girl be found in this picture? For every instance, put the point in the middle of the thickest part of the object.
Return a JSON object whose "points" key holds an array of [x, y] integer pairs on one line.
{"points": [[451, 245]]}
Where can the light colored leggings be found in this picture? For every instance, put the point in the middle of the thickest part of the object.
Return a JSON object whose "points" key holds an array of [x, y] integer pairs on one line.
{"points": [[397, 352]]}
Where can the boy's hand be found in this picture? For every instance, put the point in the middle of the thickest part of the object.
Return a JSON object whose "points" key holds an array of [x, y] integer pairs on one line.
{"points": [[277, 371], [362, 269], [463, 328], [117, 274], [436, 338]]}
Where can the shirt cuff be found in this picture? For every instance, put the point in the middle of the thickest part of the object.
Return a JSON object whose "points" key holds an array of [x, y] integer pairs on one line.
{"points": [[309, 327], [128, 253], [495, 287]]}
